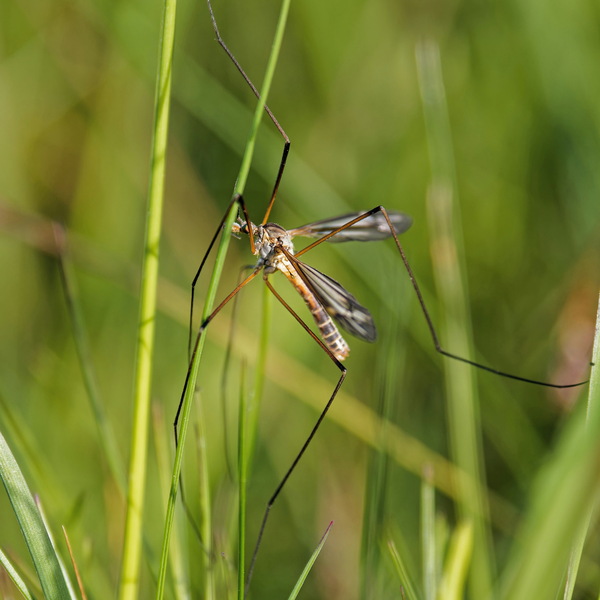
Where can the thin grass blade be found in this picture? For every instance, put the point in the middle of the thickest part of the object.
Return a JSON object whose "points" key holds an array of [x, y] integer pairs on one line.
{"points": [[309, 564], [63, 567], [14, 576], [410, 591], [374, 513], [179, 575], [43, 554], [132, 542], [259, 377], [428, 543], [204, 498], [82, 346], [563, 496], [577, 550], [242, 482], [447, 259], [452, 586], [74, 565]]}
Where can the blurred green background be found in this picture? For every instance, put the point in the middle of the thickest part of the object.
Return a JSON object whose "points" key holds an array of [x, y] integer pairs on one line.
{"points": [[522, 84]]}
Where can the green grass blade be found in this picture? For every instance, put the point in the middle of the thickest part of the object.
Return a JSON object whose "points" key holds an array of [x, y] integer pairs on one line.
{"points": [[447, 259], [452, 586], [82, 345], [63, 568], [212, 288], [593, 407], [204, 498], [242, 482], [565, 493], [575, 559], [309, 565], [163, 463], [577, 550], [43, 554], [403, 572], [388, 371], [428, 543], [132, 544], [31, 452], [14, 576], [259, 377]]}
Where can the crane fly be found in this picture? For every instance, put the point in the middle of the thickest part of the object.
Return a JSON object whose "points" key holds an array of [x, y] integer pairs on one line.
{"points": [[326, 299], [324, 296]]}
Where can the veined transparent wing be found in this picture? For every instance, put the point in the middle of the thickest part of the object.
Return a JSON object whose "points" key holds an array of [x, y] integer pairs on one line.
{"points": [[370, 229], [338, 302]]}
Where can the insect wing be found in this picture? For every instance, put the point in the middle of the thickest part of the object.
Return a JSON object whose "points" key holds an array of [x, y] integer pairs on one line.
{"points": [[339, 303], [372, 228]]}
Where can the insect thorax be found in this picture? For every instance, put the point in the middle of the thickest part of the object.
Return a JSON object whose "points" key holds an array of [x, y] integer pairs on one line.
{"points": [[269, 240]]}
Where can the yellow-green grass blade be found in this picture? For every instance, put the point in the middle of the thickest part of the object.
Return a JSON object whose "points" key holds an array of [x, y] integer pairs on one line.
{"points": [[452, 585], [565, 492], [428, 538], [447, 259], [242, 481], [132, 542], [578, 543]]}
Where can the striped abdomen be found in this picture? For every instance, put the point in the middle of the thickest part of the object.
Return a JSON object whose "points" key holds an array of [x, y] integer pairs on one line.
{"points": [[329, 332]]}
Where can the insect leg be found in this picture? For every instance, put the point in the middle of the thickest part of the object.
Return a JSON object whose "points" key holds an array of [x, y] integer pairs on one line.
{"points": [[433, 332], [308, 440], [203, 326], [286, 139], [240, 201], [423, 306]]}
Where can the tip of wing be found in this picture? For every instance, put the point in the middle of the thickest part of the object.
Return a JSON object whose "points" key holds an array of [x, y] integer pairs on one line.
{"points": [[359, 322], [400, 221]]}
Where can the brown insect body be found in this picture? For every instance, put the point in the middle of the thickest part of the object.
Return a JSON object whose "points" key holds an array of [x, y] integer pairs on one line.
{"points": [[273, 245]]}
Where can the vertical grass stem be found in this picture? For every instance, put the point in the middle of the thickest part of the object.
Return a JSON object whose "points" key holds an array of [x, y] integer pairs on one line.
{"points": [[447, 259], [132, 544]]}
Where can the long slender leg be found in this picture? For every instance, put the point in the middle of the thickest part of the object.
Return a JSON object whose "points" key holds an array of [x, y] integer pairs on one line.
{"points": [[237, 198], [424, 309], [234, 294], [311, 435], [286, 139], [203, 326]]}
